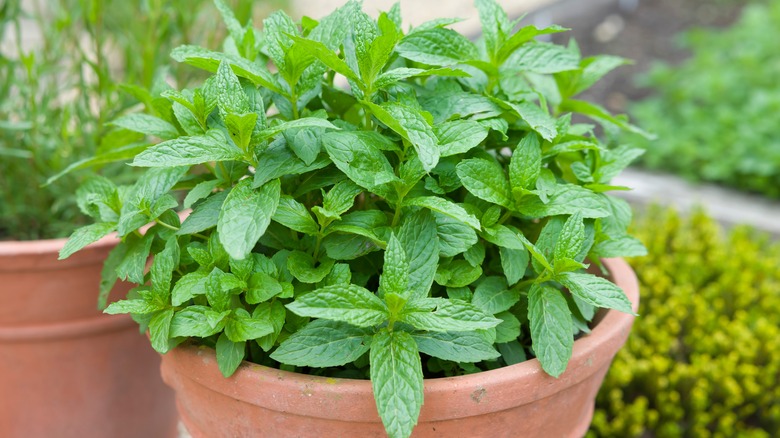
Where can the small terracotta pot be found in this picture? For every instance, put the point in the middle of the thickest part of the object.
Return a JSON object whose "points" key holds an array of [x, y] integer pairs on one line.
{"points": [[515, 401], [66, 369]]}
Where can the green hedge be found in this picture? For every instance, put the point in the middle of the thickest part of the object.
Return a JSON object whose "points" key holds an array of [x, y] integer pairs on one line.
{"points": [[703, 358], [716, 114]]}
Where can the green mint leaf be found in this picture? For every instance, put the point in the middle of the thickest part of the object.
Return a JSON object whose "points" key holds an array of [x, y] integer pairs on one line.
{"points": [[565, 199], [233, 26], [205, 215], [341, 197], [412, 126], [241, 326], [509, 329], [491, 216], [397, 381], [593, 69], [305, 122], [131, 266], [458, 273], [98, 198], [301, 266], [162, 268], [514, 262], [522, 36], [241, 127], [294, 215], [305, 143], [84, 236], [229, 355], [146, 124], [136, 307], [623, 246], [495, 25], [571, 238], [475, 255], [327, 57], [396, 75], [186, 151], [568, 265], [449, 316], [395, 270], [493, 296], [466, 347], [551, 328], [503, 237], [333, 28], [159, 330], [455, 237], [347, 303], [323, 343], [485, 179], [357, 47], [445, 207], [526, 162], [217, 295], [359, 158], [278, 161], [419, 239], [245, 215], [278, 29], [459, 136], [512, 352], [437, 46], [455, 104], [262, 287], [506, 234], [613, 161], [595, 290], [380, 49], [193, 321], [209, 60], [200, 191], [276, 314], [108, 275], [537, 118], [231, 98], [545, 58]]}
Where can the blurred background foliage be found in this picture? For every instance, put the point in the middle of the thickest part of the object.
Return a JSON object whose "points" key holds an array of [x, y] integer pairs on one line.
{"points": [[702, 358], [63, 69], [716, 113]]}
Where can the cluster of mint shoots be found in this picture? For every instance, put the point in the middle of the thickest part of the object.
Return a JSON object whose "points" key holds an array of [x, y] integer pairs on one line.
{"points": [[369, 202]]}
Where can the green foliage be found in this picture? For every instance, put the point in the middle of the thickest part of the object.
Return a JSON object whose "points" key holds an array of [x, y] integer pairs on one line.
{"points": [[431, 217], [702, 360], [713, 113], [67, 67]]}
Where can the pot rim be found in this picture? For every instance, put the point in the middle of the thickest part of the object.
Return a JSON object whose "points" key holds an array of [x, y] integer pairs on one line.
{"points": [[518, 384], [38, 255]]}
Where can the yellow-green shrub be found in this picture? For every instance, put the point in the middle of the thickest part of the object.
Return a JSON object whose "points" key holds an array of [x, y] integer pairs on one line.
{"points": [[703, 358]]}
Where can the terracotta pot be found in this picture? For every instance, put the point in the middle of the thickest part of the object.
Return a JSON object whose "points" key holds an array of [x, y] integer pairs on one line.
{"points": [[66, 369], [515, 401]]}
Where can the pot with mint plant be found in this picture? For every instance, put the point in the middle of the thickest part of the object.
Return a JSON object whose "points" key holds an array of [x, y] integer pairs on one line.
{"points": [[392, 233], [67, 369]]}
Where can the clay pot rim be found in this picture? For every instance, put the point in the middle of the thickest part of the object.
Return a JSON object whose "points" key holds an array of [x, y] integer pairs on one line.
{"points": [[304, 394], [46, 251], [52, 332]]}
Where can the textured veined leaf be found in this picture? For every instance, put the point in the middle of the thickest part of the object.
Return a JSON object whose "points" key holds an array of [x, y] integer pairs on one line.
{"points": [[551, 328], [397, 381], [245, 215]]}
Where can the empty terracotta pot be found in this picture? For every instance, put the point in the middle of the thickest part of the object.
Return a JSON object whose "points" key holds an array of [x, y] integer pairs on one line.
{"points": [[515, 401], [66, 369]]}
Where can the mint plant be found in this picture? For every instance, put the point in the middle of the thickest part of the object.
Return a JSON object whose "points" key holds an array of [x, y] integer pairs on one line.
{"points": [[369, 202]]}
